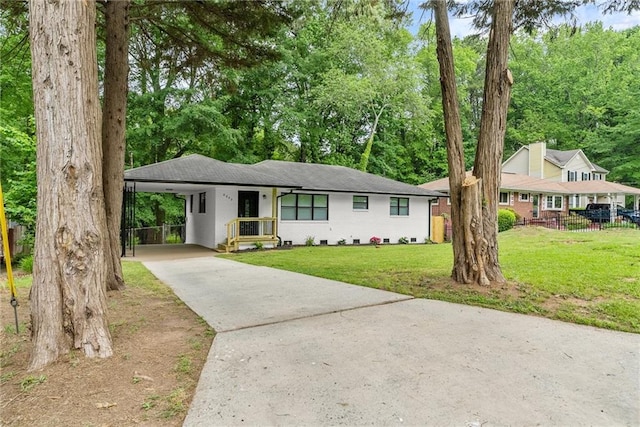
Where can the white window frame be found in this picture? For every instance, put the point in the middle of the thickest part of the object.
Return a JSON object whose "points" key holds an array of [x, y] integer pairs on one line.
{"points": [[574, 201], [524, 199], [500, 202], [553, 199]]}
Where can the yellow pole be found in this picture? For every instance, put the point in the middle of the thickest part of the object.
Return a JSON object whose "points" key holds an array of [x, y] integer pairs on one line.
{"points": [[7, 258]]}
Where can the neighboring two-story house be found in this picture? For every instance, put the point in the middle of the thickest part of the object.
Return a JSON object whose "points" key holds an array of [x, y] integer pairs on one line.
{"points": [[536, 179]]}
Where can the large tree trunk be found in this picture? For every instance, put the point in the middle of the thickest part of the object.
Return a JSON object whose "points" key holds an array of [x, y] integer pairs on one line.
{"points": [[453, 130], [493, 123], [474, 201], [113, 130], [68, 296]]}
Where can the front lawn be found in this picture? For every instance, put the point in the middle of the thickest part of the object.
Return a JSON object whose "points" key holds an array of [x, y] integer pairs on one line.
{"points": [[584, 277]]}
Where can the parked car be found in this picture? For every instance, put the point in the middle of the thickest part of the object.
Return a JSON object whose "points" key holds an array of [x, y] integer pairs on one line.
{"points": [[601, 212]]}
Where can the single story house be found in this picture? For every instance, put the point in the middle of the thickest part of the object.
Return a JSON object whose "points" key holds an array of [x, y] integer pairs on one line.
{"points": [[233, 206]]}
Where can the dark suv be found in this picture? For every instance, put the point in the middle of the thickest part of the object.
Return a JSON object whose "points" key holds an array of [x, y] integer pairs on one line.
{"points": [[601, 212]]}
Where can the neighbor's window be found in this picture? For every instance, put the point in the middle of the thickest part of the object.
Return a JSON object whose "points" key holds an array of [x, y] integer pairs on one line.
{"points": [[574, 201], [572, 176], [523, 197], [504, 198], [360, 202], [399, 206], [202, 206], [301, 207], [554, 202], [586, 176], [191, 203]]}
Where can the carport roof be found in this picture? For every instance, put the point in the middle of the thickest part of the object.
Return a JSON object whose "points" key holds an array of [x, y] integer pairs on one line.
{"points": [[195, 171]]}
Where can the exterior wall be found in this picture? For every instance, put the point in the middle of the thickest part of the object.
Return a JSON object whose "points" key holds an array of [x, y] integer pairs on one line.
{"points": [[577, 164], [522, 208], [200, 227], [346, 223], [537, 152], [553, 172], [518, 163], [210, 229]]}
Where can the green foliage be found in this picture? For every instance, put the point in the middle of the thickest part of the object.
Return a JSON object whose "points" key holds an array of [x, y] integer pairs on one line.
{"points": [[31, 381], [310, 241], [342, 242], [403, 240], [506, 220], [26, 264], [259, 245]]}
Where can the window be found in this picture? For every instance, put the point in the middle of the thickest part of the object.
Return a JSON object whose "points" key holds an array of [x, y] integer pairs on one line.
{"points": [[360, 202], [572, 176], [554, 203], [305, 207], [574, 201], [191, 203], [202, 207], [523, 197], [586, 176], [504, 198], [399, 206]]}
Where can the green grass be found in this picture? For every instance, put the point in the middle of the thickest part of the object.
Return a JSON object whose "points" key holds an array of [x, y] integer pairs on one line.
{"points": [[588, 277]]}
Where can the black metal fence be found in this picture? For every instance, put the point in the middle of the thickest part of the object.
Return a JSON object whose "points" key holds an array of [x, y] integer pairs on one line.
{"points": [[575, 222]]}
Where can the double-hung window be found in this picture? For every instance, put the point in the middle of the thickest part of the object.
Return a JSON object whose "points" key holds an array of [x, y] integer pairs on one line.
{"points": [[305, 207], [504, 198], [554, 202], [360, 203], [399, 206]]}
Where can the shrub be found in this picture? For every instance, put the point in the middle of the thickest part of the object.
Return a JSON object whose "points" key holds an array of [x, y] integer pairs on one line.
{"points": [[506, 220], [26, 264], [375, 240], [342, 242], [403, 240], [259, 245], [310, 241]]}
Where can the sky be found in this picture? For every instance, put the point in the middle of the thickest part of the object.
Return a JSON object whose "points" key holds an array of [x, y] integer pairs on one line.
{"points": [[461, 27]]}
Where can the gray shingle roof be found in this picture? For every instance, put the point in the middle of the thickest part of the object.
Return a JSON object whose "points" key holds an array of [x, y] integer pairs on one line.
{"points": [[198, 169], [315, 177], [560, 157]]}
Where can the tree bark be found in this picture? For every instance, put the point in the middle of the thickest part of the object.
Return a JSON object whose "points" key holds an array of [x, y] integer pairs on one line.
{"points": [[68, 295], [475, 245], [493, 123], [114, 130], [453, 130]]}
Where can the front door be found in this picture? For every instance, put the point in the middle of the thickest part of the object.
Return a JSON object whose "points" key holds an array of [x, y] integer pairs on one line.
{"points": [[248, 208], [536, 205]]}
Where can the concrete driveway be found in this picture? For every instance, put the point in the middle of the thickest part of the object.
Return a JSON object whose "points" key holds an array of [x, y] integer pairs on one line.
{"points": [[297, 350]]}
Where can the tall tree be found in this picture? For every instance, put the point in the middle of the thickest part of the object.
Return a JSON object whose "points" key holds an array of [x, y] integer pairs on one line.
{"points": [[68, 295], [113, 130], [474, 207]]}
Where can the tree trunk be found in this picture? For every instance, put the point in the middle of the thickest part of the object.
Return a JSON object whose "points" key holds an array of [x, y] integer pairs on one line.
{"points": [[364, 161], [68, 296], [475, 245], [113, 131], [453, 130], [488, 162]]}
